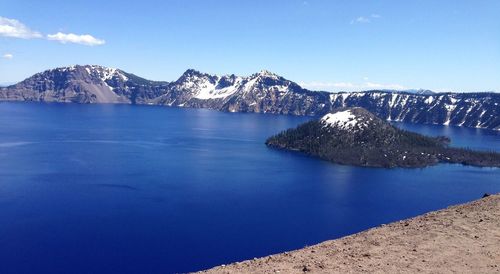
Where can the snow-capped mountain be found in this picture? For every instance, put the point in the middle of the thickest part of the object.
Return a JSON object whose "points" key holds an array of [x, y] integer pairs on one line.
{"points": [[260, 92], [263, 92]]}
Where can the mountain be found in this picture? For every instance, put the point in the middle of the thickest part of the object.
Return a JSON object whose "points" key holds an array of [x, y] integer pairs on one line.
{"points": [[354, 136], [263, 92], [84, 84], [476, 110]]}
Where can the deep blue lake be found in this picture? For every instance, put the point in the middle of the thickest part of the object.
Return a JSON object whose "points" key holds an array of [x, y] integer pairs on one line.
{"points": [[146, 189]]}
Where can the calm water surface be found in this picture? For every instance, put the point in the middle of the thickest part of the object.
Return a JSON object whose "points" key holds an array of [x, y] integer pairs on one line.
{"points": [[138, 189]]}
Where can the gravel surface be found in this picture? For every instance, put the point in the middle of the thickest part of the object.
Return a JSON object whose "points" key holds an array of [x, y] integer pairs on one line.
{"points": [[459, 239]]}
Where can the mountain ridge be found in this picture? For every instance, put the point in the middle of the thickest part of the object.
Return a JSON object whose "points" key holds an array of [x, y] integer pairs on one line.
{"points": [[261, 92]]}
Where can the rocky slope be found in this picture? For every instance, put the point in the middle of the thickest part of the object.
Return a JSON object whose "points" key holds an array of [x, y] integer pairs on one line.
{"points": [[354, 136], [460, 239], [263, 92]]}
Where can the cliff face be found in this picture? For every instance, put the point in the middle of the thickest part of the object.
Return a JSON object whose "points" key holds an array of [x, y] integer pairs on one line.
{"points": [[262, 92], [478, 110]]}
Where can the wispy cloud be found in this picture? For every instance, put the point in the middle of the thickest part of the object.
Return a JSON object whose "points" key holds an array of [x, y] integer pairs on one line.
{"points": [[365, 19], [361, 20], [348, 86], [7, 56], [84, 39], [15, 29], [371, 85]]}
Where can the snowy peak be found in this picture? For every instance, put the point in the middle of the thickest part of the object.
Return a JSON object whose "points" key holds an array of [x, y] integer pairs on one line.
{"points": [[192, 73], [348, 119], [266, 80], [266, 73], [195, 83], [191, 76], [205, 86]]}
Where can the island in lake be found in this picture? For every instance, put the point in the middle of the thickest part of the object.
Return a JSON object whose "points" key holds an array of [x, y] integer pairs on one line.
{"points": [[354, 136]]}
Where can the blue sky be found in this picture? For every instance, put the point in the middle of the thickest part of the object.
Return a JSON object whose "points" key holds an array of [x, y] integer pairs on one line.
{"points": [[445, 45]]}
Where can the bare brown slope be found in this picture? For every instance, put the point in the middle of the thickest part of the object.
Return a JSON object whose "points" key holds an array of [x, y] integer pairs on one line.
{"points": [[459, 239]]}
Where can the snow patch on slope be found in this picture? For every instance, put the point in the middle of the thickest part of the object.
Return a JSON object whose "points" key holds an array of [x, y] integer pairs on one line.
{"points": [[109, 73], [210, 91], [342, 119]]}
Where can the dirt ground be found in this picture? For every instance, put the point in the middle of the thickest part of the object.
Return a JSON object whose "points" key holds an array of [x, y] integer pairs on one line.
{"points": [[459, 239]]}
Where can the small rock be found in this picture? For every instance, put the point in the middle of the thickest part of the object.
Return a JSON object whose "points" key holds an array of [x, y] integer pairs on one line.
{"points": [[486, 195]]}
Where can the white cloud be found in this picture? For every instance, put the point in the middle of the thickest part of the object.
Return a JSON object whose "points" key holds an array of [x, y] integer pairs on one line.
{"points": [[84, 39], [365, 19], [7, 56], [348, 86], [14, 28]]}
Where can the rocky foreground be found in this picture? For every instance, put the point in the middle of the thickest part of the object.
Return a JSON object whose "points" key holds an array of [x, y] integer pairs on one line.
{"points": [[459, 239]]}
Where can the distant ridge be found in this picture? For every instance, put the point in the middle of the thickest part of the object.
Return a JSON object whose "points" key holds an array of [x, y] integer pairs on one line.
{"points": [[420, 91], [6, 84], [262, 92]]}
